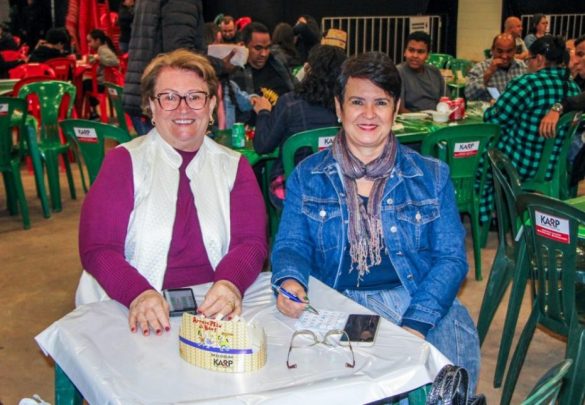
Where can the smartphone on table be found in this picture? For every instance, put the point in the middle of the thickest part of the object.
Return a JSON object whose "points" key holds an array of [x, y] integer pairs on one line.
{"points": [[361, 328], [180, 300]]}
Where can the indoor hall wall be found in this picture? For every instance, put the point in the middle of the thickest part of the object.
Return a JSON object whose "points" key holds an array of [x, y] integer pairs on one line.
{"points": [[4, 10], [477, 24]]}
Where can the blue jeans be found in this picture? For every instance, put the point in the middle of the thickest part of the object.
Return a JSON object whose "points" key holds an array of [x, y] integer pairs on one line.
{"points": [[141, 124], [455, 335]]}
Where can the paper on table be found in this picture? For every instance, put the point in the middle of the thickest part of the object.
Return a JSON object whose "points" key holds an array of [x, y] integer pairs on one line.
{"points": [[222, 50], [322, 323]]}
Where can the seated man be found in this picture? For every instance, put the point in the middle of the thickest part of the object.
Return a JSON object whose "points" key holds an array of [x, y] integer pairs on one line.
{"points": [[52, 47], [422, 84], [513, 26], [229, 33], [263, 74], [494, 72]]}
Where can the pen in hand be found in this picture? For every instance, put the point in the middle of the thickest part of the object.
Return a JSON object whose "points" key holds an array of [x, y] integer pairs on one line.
{"points": [[294, 298]]}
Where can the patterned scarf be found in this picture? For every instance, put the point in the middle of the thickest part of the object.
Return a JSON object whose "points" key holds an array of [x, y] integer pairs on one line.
{"points": [[365, 226]]}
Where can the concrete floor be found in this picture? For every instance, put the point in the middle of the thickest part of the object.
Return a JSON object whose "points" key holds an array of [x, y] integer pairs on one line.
{"points": [[39, 273]]}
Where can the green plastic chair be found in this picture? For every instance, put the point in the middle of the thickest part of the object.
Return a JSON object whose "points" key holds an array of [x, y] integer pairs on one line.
{"points": [[115, 97], [507, 188], [315, 139], [551, 246], [13, 114], [547, 389], [439, 60], [459, 67], [461, 147], [88, 137], [52, 95], [65, 392], [567, 126]]}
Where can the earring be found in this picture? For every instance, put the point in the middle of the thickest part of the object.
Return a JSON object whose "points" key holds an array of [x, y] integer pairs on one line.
{"points": [[153, 122], [339, 119], [211, 121]]}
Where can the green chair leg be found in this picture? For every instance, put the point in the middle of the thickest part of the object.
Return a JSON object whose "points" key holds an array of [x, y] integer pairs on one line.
{"points": [[419, 395], [70, 176], [9, 186], [20, 195], [65, 391], [52, 165], [31, 139], [573, 392], [476, 236], [518, 288], [518, 357]]}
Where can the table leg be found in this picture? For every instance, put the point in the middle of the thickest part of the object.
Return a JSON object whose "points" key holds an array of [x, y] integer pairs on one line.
{"points": [[65, 391]]}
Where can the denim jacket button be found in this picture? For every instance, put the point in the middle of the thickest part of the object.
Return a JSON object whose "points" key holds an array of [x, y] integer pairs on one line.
{"points": [[399, 253], [410, 276], [389, 201], [418, 217], [393, 229], [322, 214]]}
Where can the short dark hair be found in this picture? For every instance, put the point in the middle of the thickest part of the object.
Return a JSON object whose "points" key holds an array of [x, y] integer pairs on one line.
{"points": [[579, 40], [252, 28], [552, 48], [420, 36], [57, 36], [376, 67], [535, 21], [227, 19]]}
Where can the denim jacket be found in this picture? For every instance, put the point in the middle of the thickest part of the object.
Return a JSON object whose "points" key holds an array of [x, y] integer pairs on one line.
{"points": [[422, 230]]}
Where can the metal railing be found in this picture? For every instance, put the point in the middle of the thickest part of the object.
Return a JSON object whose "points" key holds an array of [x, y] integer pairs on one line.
{"points": [[566, 25], [382, 33]]}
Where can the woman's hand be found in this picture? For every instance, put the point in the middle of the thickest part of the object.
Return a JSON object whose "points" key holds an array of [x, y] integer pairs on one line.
{"points": [[261, 103], [149, 311], [223, 299], [414, 332], [289, 307], [548, 124]]}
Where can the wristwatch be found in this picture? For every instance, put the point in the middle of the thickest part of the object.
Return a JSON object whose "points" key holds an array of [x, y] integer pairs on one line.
{"points": [[557, 107]]}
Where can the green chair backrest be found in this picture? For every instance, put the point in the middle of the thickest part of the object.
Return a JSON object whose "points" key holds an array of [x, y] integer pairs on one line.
{"points": [[461, 147], [460, 65], [547, 389], [115, 96], [551, 242], [12, 115], [88, 137], [507, 188], [56, 100], [439, 60], [553, 171], [316, 139]]}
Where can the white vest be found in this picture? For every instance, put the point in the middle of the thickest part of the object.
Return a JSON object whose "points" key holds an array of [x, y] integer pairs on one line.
{"points": [[155, 166]]}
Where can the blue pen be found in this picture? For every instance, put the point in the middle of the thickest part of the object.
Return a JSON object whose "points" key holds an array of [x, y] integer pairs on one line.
{"points": [[294, 298]]}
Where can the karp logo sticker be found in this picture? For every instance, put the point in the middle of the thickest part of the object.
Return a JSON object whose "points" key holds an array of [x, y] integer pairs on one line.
{"points": [[112, 91], [552, 227], [86, 135], [4, 109], [325, 142], [466, 149]]}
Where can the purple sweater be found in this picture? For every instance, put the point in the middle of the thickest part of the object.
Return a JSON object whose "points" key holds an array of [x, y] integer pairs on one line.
{"points": [[104, 221]]}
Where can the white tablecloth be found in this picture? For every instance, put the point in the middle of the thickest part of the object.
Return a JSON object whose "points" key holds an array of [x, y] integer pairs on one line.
{"points": [[110, 365]]}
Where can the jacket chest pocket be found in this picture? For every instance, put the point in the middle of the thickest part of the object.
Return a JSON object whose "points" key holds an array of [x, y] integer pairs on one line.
{"points": [[324, 219], [415, 222]]}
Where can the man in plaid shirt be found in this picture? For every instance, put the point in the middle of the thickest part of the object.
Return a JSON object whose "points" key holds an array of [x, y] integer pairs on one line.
{"points": [[521, 107], [496, 71]]}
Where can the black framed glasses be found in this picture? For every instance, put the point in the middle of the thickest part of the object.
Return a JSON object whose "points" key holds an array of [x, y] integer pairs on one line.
{"points": [[170, 100], [307, 338]]}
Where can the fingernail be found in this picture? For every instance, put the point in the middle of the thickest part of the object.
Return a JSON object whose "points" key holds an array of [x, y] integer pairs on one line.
{"points": [[133, 329], [158, 331], [167, 328], [145, 332], [229, 318]]}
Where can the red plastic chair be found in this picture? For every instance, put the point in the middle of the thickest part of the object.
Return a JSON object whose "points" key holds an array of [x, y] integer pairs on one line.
{"points": [[10, 56], [63, 68], [95, 92], [32, 69]]}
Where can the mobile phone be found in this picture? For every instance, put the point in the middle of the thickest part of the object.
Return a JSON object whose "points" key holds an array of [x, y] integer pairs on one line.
{"points": [[361, 328], [180, 300]]}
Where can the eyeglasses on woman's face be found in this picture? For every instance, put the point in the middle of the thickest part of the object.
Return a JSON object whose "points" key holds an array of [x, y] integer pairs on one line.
{"points": [[170, 100]]}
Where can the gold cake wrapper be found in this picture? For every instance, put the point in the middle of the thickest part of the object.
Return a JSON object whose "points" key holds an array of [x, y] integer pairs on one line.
{"points": [[227, 346]]}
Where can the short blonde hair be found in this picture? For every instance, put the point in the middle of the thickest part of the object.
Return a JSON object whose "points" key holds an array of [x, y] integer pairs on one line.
{"points": [[179, 59]]}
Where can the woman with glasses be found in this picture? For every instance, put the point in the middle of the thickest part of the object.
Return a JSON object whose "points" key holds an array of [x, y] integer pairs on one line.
{"points": [[162, 212], [377, 221]]}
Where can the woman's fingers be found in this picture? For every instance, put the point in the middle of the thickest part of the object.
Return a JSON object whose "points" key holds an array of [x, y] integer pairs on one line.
{"points": [[149, 311], [288, 306], [222, 300]]}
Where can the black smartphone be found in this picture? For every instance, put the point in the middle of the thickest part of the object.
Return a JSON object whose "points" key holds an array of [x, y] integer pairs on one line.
{"points": [[361, 328], [180, 300]]}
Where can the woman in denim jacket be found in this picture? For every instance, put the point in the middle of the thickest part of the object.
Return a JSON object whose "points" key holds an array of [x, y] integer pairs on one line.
{"points": [[377, 221]]}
